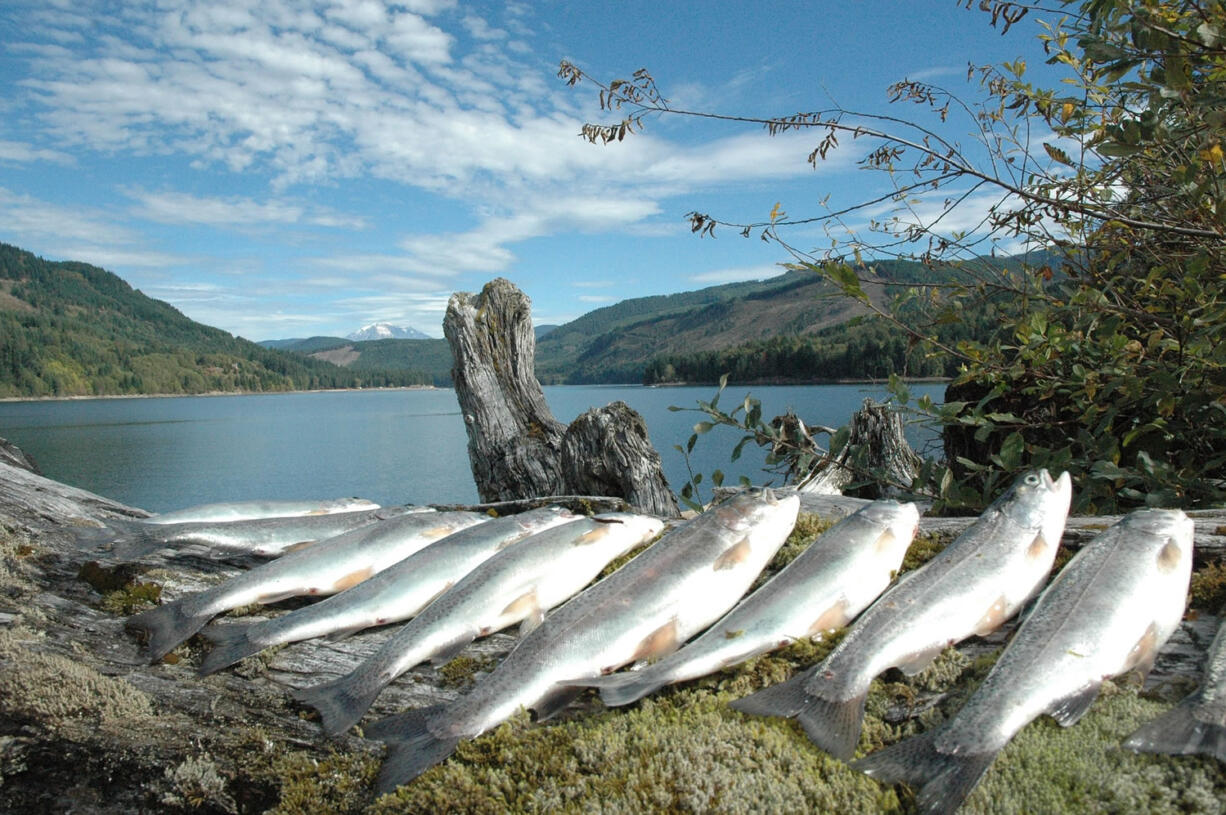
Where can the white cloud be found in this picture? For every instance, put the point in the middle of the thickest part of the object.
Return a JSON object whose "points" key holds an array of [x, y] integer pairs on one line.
{"points": [[182, 208], [737, 274], [19, 152]]}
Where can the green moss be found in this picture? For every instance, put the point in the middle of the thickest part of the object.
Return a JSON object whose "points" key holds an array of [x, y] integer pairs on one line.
{"points": [[462, 671], [122, 592], [924, 548], [336, 783], [133, 598], [1207, 591]]}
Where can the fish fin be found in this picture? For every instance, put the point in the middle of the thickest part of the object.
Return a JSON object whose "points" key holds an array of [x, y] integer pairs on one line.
{"points": [[345, 633], [834, 725], [832, 618], [943, 780], [996, 614], [664, 640], [522, 606], [136, 541], [920, 660], [452, 649], [352, 579], [165, 627], [734, 555], [412, 746], [554, 702], [295, 547], [89, 538], [1179, 732], [230, 644], [623, 688], [342, 701], [531, 622], [784, 699], [1141, 658], [1068, 710]]}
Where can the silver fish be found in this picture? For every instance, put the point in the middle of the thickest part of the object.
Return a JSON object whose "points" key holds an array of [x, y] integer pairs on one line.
{"points": [[1198, 723], [262, 537], [516, 585], [251, 510], [395, 594], [824, 588], [327, 567], [648, 607], [976, 583], [1107, 612]]}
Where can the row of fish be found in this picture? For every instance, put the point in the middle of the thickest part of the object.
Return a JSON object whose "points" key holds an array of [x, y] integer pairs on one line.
{"points": [[459, 576]]}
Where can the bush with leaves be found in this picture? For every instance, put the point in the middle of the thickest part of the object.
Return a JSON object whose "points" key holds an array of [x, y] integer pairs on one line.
{"points": [[1110, 359]]}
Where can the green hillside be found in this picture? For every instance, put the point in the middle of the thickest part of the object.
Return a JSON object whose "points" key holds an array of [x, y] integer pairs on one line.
{"points": [[72, 329]]}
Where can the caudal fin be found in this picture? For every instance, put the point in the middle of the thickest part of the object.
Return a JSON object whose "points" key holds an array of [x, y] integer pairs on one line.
{"points": [[412, 747], [1178, 732], [942, 780], [834, 725], [785, 699], [340, 702], [624, 688], [166, 626], [230, 644]]}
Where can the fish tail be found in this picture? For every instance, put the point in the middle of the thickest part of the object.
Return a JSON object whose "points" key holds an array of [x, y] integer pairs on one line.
{"points": [[624, 688], [230, 644], [166, 626], [943, 780], [412, 746], [1179, 732], [784, 699], [340, 702], [834, 725]]}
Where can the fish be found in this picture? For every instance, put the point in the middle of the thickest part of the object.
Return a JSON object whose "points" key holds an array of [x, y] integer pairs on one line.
{"points": [[822, 589], [1106, 613], [976, 583], [1198, 723], [517, 585], [251, 510], [327, 567], [261, 537], [393, 595], [669, 592]]}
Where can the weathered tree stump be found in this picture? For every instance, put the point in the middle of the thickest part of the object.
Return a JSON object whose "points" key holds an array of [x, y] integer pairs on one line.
{"points": [[516, 448], [876, 449], [606, 451]]}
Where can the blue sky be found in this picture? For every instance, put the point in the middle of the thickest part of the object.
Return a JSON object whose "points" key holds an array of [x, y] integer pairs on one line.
{"points": [[289, 169]]}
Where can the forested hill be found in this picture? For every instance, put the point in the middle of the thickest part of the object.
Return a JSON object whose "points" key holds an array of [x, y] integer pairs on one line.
{"points": [[72, 329]]}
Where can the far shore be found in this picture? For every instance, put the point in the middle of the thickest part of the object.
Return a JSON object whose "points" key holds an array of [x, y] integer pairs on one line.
{"points": [[206, 393]]}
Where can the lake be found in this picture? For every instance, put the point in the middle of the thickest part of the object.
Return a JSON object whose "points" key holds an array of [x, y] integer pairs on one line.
{"points": [[391, 446]]}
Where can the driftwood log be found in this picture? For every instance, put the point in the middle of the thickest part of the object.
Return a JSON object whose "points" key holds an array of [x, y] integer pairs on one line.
{"points": [[876, 448], [516, 448]]}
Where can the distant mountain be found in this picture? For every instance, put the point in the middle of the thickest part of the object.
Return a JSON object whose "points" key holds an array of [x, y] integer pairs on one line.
{"points": [[386, 331], [72, 329]]}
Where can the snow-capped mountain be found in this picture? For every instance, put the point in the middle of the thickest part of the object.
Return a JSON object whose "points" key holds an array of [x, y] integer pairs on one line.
{"points": [[386, 331]]}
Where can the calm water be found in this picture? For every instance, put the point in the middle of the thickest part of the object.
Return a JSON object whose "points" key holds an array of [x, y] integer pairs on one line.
{"points": [[388, 446]]}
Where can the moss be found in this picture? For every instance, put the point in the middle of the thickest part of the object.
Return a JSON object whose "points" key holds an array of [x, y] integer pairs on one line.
{"points": [[1207, 591], [133, 598], [54, 690], [122, 592], [924, 548], [335, 783], [462, 671], [197, 783]]}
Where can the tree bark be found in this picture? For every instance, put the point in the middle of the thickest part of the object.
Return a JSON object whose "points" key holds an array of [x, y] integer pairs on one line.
{"points": [[516, 448]]}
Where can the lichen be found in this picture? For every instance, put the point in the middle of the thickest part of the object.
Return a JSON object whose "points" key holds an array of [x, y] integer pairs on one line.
{"points": [[197, 783], [1207, 591]]}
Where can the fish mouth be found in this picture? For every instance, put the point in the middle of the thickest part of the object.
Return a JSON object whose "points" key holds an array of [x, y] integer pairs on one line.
{"points": [[1063, 484], [769, 495]]}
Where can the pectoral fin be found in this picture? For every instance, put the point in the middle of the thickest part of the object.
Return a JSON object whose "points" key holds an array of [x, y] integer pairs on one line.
{"points": [[530, 622], [1071, 708], [830, 619], [1141, 657], [918, 661], [352, 579], [522, 607], [664, 640], [734, 555], [294, 547], [996, 614]]}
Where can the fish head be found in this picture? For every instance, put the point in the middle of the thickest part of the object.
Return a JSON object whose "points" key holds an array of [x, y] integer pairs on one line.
{"points": [[625, 530], [899, 522], [1035, 501], [744, 510]]}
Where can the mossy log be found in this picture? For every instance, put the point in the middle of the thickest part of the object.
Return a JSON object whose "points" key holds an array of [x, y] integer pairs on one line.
{"points": [[516, 448], [87, 726]]}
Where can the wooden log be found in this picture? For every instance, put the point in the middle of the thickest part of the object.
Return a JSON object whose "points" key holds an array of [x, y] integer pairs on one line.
{"points": [[876, 450], [516, 448]]}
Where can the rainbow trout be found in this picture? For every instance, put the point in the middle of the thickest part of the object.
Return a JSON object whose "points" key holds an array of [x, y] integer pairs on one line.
{"points": [[395, 594], [1107, 612], [251, 510], [824, 588], [976, 583], [327, 567], [648, 607]]}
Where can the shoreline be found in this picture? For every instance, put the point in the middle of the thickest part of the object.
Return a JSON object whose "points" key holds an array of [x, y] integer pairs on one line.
{"points": [[82, 398]]}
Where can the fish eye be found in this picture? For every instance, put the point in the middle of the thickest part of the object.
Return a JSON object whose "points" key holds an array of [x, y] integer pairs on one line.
{"points": [[1032, 479]]}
